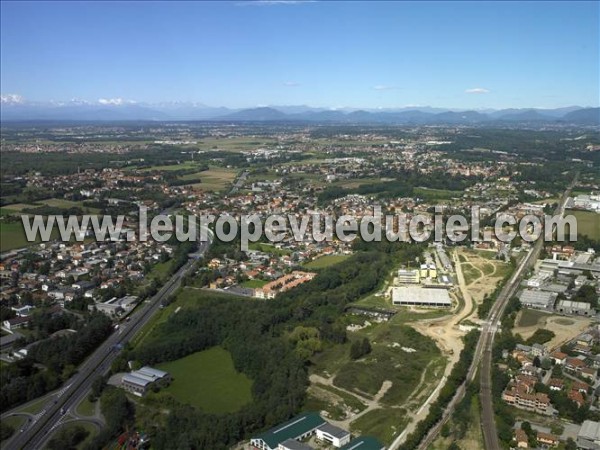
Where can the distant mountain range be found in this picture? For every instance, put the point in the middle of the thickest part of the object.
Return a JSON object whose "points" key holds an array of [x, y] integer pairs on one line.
{"points": [[13, 108]]}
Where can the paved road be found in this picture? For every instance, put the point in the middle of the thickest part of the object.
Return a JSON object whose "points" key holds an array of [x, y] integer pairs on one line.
{"points": [[483, 351], [36, 433], [239, 183]]}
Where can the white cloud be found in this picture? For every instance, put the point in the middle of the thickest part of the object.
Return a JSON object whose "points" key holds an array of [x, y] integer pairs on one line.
{"points": [[384, 87], [11, 99], [477, 91], [291, 83], [115, 101]]}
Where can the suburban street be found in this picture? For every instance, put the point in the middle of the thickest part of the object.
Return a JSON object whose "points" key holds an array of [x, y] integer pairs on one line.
{"points": [[36, 432]]}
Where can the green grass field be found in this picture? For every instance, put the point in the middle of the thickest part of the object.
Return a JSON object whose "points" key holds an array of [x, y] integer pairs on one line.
{"points": [[530, 317], [12, 235], [86, 408], [209, 381], [326, 261], [588, 223], [254, 283], [215, 179]]}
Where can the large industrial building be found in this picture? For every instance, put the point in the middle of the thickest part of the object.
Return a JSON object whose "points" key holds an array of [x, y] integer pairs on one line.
{"points": [[537, 299], [140, 381], [420, 296], [588, 437], [577, 308]]}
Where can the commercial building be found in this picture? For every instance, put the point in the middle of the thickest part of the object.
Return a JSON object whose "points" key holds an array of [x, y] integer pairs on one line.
{"points": [[408, 276], [418, 296], [537, 299], [116, 306], [298, 428], [575, 308], [333, 435], [140, 381], [588, 437]]}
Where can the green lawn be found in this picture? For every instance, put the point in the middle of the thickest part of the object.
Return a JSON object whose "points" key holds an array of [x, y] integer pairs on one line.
{"points": [[36, 406], [209, 381], [588, 223], [86, 408], [254, 283], [326, 261], [7, 211], [15, 422]]}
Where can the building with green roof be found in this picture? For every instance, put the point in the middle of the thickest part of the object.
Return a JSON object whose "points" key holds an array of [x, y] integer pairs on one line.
{"points": [[364, 443], [300, 427]]}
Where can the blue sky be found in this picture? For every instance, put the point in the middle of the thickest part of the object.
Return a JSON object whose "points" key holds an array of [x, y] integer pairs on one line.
{"points": [[333, 54]]}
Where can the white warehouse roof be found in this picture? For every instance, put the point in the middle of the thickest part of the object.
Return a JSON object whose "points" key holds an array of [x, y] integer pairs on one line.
{"points": [[413, 295]]}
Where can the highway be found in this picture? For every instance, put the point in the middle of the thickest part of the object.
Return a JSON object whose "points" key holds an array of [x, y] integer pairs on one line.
{"points": [[483, 351], [36, 432]]}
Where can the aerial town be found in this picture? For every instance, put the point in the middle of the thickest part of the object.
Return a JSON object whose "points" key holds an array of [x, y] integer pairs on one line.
{"points": [[299, 225], [548, 343]]}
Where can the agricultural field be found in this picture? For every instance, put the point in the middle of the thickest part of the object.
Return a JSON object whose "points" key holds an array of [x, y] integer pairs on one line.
{"points": [[12, 235], [182, 166], [208, 380], [326, 261], [215, 179], [233, 144], [588, 223]]}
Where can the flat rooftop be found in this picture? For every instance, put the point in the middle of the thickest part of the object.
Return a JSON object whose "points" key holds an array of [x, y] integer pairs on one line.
{"points": [[414, 295]]}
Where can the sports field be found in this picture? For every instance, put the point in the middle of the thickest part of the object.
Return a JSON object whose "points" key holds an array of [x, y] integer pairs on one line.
{"points": [[209, 381]]}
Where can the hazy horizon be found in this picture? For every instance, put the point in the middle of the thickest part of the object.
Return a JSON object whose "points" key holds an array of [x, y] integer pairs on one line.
{"points": [[334, 55]]}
